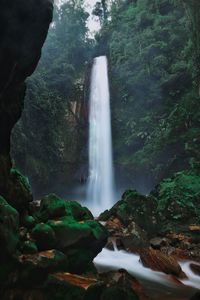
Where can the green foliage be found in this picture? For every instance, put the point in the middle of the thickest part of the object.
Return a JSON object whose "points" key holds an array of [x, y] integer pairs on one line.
{"points": [[154, 101], [177, 198]]}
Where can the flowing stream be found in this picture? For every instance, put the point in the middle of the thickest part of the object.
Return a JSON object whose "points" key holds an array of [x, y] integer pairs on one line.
{"points": [[100, 189], [157, 285]]}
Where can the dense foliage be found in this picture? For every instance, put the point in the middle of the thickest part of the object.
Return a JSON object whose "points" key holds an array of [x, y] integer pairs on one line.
{"points": [[48, 140], [152, 55]]}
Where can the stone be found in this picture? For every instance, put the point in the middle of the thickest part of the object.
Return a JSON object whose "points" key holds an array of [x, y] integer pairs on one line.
{"points": [[159, 242], [133, 207], [44, 236], [34, 268], [158, 261], [88, 234], [29, 247], [28, 221], [53, 207]]}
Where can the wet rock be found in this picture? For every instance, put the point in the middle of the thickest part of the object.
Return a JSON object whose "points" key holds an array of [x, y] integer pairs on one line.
{"points": [[44, 236], [159, 242], [120, 285], [33, 269], [61, 286], [53, 207], [133, 207], [195, 268], [158, 261]]}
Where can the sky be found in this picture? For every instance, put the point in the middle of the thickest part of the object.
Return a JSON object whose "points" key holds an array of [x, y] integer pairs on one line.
{"points": [[93, 23]]}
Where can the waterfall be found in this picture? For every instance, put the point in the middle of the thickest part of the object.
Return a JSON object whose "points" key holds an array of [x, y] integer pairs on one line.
{"points": [[100, 189]]}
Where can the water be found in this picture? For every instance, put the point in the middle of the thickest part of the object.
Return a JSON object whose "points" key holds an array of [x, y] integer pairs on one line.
{"points": [[157, 285], [100, 189]]}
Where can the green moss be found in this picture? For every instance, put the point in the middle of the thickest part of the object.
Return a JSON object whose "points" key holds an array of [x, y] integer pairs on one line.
{"points": [[54, 207], [29, 247]]}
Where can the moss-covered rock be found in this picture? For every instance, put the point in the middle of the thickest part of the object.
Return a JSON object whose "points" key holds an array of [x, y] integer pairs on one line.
{"points": [[90, 234], [132, 207], [53, 207], [29, 247], [44, 236], [27, 221], [33, 269], [9, 227]]}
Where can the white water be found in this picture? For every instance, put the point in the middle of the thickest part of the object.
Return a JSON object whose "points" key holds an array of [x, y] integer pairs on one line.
{"points": [[156, 282], [100, 190]]}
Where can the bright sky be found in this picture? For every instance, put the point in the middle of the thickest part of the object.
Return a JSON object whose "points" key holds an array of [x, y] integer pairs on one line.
{"points": [[93, 23]]}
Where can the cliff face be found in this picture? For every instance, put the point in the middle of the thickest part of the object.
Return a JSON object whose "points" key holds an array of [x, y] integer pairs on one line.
{"points": [[23, 28]]}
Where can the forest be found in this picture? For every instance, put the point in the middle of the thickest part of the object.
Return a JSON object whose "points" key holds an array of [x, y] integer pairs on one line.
{"points": [[100, 150]]}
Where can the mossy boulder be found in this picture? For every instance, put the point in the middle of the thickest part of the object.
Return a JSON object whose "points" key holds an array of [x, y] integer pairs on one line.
{"points": [[90, 234], [29, 247], [132, 207], [44, 236], [9, 228], [53, 207], [33, 269], [27, 221]]}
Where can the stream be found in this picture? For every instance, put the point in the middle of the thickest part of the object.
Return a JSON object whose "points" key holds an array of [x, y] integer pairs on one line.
{"points": [[156, 285]]}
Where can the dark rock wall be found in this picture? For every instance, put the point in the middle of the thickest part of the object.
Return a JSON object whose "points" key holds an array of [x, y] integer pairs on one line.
{"points": [[23, 28]]}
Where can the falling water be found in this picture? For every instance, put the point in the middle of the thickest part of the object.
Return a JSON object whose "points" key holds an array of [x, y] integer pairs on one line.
{"points": [[100, 190]]}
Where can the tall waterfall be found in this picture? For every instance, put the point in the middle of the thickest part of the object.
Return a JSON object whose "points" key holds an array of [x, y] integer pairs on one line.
{"points": [[100, 190]]}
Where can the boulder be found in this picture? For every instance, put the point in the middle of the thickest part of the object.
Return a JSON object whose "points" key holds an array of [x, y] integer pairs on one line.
{"points": [[158, 261], [33, 269], [89, 234], [53, 207], [44, 236], [27, 221], [133, 207]]}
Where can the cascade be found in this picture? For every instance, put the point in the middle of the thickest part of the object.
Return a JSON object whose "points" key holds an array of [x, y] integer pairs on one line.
{"points": [[100, 187]]}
